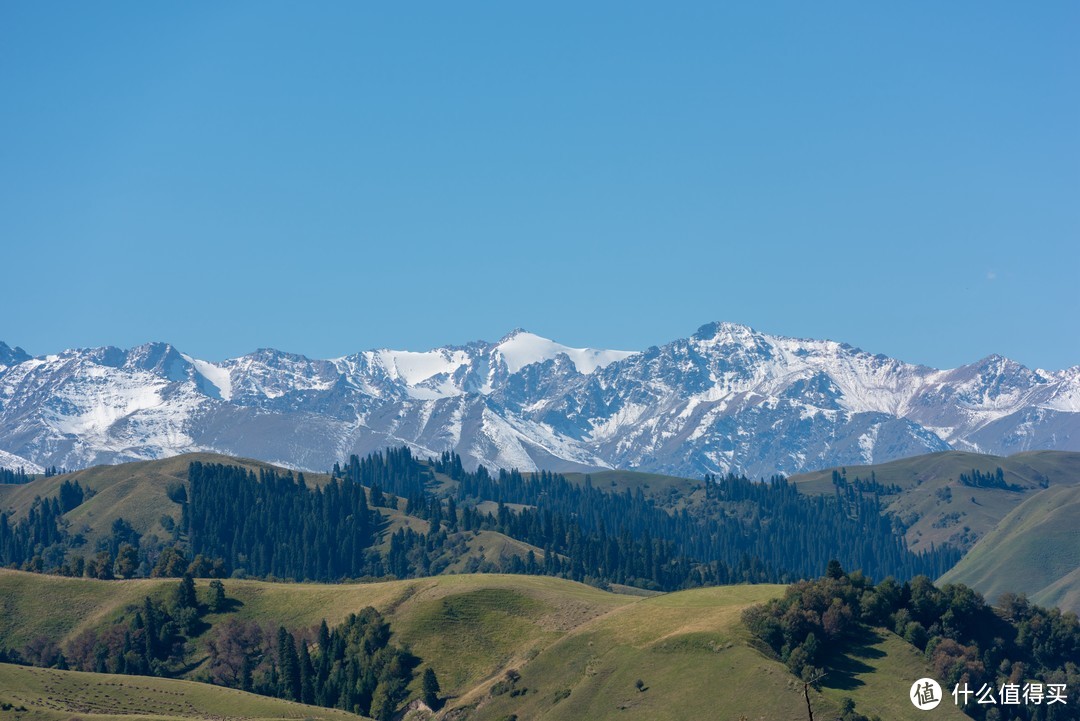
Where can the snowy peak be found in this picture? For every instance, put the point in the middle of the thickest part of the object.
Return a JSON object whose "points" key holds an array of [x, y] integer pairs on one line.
{"points": [[727, 398], [12, 356], [521, 348], [725, 332], [413, 368], [479, 367], [159, 358], [269, 375], [212, 379]]}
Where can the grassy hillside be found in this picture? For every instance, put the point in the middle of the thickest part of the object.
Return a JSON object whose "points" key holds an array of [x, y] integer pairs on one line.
{"points": [[691, 652], [136, 492], [932, 502], [51, 695], [59, 608], [1063, 593], [1035, 549], [939, 509], [577, 651]]}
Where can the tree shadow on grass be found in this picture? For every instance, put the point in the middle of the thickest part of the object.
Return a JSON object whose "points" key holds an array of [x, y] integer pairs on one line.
{"points": [[843, 668], [231, 605]]}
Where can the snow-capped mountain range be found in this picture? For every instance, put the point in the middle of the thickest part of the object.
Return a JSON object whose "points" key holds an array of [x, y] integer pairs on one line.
{"points": [[728, 398]]}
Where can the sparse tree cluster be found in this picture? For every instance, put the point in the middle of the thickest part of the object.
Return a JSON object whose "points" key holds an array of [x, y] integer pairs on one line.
{"points": [[965, 640], [977, 479], [354, 667], [149, 643]]}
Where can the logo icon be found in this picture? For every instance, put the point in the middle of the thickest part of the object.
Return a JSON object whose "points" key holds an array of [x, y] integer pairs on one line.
{"points": [[925, 694]]}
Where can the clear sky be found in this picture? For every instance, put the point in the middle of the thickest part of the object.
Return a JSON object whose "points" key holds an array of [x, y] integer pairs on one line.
{"points": [[325, 178]]}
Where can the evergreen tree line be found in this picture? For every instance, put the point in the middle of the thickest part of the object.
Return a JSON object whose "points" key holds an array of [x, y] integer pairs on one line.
{"points": [[769, 526], [872, 486], [13, 476], [745, 531], [964, 640], [977, 479], [19, 475], [395, 470], [273, 524], [40, 540]]}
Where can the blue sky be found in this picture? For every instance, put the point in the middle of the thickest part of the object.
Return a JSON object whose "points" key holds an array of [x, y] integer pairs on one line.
{"points": [[325, 178]]}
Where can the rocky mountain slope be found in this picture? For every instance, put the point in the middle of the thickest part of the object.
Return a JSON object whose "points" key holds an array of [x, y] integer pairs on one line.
{"points": [[726, 398]]}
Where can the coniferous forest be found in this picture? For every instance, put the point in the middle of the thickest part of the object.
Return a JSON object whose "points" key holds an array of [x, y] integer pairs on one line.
{"points": [[276, 525], [17, 475]]}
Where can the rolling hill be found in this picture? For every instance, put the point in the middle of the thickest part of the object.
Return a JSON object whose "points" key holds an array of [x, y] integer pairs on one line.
{"points": [[1023, 538], [573, 651], [136, 492], [937, 508], [542, 647], [50, 695], [1035, 550]]}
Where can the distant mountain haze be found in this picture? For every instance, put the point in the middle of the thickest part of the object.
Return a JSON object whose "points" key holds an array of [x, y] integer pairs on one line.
{"points": [[728, 398]]}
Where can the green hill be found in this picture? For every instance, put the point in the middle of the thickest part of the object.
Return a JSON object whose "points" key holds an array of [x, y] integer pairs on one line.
{"points": [[136, 492], [51, 695], [538, 647], [937, 508], [1035, 549]]}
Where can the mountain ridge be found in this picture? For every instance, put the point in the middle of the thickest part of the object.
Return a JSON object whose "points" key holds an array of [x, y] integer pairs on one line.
{"points": [[726, 398]]}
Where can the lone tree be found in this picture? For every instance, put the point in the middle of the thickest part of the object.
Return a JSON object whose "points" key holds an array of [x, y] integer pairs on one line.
{"points": [[217, 596], [431, 688], [184, 597]]}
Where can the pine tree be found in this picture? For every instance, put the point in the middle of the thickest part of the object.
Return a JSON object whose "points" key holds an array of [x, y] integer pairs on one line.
{"points": [[289, 662], [184, 597], [218, 602], [431, 688]]}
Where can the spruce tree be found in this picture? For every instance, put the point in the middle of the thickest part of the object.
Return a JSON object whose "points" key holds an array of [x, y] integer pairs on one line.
{"points": [[431, 688]]}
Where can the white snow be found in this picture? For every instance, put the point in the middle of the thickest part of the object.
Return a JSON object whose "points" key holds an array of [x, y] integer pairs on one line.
{"points": [[1066, 396], [273, 375], [439, 373], [215, 374], [522, 348], [648, 412], [510, 438], [414, 368], [13, 463], [867, 442], [102, 403]]}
